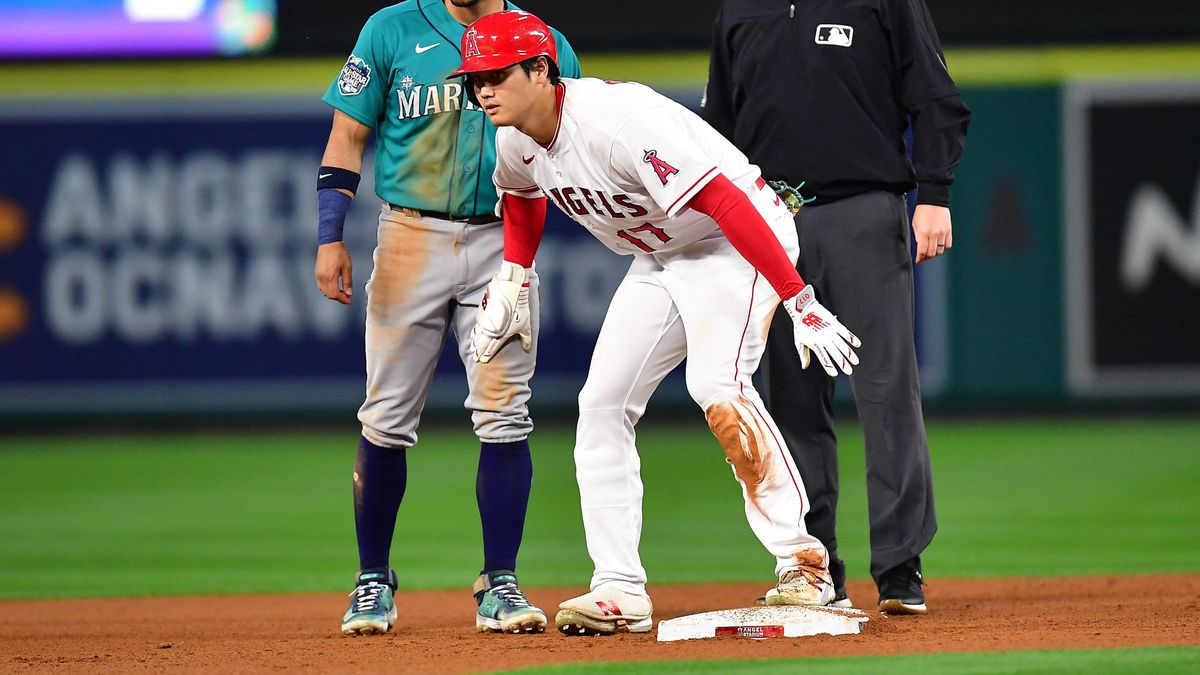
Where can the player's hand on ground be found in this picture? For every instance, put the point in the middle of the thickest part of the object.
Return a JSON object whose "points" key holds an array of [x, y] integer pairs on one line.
{"points": [[932, 230], [819, 332], [503, 313], [335, 272]]}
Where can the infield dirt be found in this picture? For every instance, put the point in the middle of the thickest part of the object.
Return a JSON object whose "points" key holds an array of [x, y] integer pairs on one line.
{"points": [[436, 633]]}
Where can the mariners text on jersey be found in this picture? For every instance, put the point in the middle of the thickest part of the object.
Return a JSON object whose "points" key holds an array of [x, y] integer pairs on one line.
{"points": [[416, 100], [434, 151]]}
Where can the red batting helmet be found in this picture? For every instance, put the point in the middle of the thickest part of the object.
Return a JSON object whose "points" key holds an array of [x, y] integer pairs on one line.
{"points": [[499, 40]]}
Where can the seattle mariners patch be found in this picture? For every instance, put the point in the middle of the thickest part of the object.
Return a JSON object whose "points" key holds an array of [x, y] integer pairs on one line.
{"points": [[355, 76]]}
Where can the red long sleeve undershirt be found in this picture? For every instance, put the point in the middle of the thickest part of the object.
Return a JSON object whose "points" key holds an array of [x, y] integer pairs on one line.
{"points": [[720, 199], [745, 228], [524, 221]]}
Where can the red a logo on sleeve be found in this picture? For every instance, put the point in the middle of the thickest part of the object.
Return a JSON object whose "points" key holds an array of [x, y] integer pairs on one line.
{"points": [[661, 168]]}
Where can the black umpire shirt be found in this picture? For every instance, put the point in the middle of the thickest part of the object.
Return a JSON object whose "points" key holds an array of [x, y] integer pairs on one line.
{"points": [[822, 91]]}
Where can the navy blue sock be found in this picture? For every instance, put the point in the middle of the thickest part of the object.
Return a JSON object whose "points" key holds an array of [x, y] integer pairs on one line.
{"points": [[380, 476], [502, 490]]}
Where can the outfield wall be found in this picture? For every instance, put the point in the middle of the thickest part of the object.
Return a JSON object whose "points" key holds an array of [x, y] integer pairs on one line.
{"points": [[156, 239]]}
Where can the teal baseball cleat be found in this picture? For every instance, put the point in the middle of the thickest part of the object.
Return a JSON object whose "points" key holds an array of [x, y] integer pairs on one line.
{"points": [[503, 608], [372, 604]]}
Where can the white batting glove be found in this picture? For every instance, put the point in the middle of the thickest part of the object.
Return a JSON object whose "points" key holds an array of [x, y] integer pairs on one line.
{"points": [[819, 332], [503, 313]]}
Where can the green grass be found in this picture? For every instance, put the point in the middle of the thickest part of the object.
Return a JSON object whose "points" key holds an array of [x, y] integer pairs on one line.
{"points": [[121, 515], [1157, 660], [671, 70]]}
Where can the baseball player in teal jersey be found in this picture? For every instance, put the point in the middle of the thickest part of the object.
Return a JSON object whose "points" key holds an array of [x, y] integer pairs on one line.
{"points": [[439, 243]]}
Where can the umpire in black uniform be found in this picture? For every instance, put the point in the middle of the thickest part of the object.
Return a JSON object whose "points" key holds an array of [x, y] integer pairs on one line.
{"points": [[822, 91]]}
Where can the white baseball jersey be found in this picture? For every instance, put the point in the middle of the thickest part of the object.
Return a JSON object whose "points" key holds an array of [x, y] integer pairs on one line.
{"points": [[624, 163]]}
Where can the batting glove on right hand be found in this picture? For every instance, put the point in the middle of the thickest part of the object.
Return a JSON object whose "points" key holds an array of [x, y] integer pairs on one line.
{"points": [[503, 313], [819, 332]]}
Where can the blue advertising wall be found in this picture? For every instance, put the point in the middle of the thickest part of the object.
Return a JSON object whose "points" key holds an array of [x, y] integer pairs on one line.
{"points": [[156, 241], [159, 257]]}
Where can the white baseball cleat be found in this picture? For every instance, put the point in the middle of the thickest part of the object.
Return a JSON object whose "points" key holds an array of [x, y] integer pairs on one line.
{"points": [[812, 586], [605, 611]]}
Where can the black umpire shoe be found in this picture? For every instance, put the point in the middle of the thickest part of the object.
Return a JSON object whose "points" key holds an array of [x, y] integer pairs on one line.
{"points": [[837, 570], [902, 590]]}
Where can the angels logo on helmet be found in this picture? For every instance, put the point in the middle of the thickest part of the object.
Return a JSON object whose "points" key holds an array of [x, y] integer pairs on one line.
{"points": [[470, 45]]}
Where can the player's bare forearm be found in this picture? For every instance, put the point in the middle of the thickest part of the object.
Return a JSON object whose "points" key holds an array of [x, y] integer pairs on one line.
{"points": [[344, 150], [933, 231], [347, 143], [334, 272]]}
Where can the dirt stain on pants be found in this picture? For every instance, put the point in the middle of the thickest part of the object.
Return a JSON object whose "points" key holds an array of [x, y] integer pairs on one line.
{"points": [[741, 436]]}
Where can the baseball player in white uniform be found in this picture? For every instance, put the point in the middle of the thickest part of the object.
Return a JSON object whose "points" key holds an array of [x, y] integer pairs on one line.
{"points": [[714, 254]]}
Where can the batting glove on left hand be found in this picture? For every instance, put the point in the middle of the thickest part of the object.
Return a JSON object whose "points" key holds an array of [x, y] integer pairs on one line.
{"points": [[819, 332], [503, 313]]}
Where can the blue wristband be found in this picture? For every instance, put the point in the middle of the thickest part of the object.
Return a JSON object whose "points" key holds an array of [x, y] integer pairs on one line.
{"points": [[332, 206], [337, 177]]}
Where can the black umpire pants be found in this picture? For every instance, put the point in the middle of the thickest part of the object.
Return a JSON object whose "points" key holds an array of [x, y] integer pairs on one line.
{"points": [[855, 253]]}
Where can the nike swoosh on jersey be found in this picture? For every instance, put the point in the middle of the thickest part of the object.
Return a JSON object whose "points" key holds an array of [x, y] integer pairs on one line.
{"points": [[422, 50], [526, 159]]}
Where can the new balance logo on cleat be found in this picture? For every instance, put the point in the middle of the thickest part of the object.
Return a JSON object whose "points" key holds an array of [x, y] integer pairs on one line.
{"points": [[608, 609]]}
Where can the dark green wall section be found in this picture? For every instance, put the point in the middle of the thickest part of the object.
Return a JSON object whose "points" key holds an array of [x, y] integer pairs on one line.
{"points": [[1005, 270]]}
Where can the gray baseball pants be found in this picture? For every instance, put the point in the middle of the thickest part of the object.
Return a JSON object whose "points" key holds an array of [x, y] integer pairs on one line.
{"points": [[429, 278], [855, 253]]}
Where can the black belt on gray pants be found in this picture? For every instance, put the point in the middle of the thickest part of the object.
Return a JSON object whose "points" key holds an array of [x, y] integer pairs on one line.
{"points": [[470, 220]]}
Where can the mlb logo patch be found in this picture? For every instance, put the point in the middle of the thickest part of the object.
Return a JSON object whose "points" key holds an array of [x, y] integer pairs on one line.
{"points": [[835, 34], [354, 77]]}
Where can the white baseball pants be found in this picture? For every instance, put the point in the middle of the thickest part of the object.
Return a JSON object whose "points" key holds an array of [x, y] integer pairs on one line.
{"points": [[707, 303]]}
